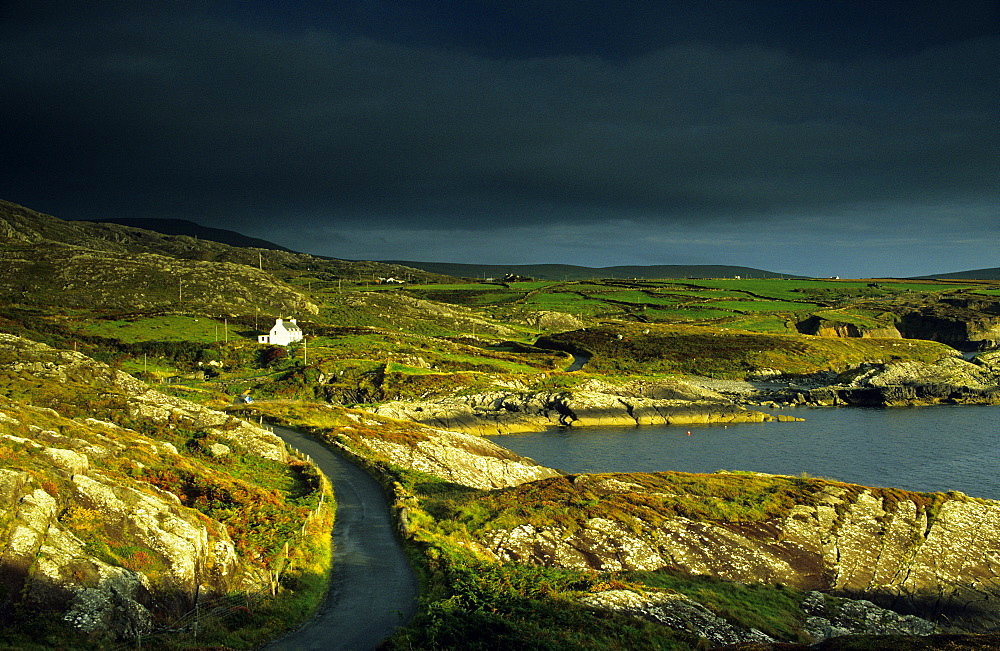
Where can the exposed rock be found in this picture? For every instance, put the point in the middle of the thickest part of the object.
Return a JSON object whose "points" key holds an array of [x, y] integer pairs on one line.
{"points": [[838, 617], [70, 369], [990, 361], [548, 320], [112, 606], [677, 612], [505, 412], [846, 539], [63, 512], [950, 380], [824, 327], [458, 457], [463, 459]]}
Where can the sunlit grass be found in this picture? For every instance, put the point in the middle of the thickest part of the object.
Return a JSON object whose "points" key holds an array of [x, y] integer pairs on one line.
{"points": [[162, 328]]}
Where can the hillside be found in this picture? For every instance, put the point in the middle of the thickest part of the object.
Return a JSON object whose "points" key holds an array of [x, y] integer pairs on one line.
{"points": [[22, 227], [974, 274], [135, 488], [49, 261], [191, 229], [574, 272], [122, 508]]}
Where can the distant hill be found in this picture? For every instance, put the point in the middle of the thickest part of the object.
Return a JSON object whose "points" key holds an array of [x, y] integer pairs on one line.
{"points": [[191, 229], [45, 260], [573, 272], [975, 274]]}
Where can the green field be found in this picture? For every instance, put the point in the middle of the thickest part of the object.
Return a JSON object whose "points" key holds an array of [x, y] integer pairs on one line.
{"points": [[162, 328]]}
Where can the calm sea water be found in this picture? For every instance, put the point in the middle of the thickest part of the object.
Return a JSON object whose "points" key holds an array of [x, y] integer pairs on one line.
{"points": [[921, 448]]}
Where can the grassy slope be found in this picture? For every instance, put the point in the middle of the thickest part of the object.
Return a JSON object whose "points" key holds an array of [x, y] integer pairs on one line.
{"points": [[261, 503], [625, 349], [378, 346]]}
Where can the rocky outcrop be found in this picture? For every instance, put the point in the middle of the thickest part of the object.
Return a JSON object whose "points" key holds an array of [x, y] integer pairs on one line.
{"points": [[88, 527], [595, 404], [548, 320], [825, 327], [951, 380], [675, 611], [990, 361], [829, 618], [460, 458], [934, 558], [824, 617], [56, 550], [76, 378], [965, 324]]}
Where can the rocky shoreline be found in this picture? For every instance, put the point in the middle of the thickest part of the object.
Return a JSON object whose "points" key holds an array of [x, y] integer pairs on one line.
{"points": [[699, 400], [492, 413]]}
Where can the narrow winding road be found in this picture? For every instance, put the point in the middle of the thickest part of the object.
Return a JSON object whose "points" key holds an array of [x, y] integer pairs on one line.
{"points": [[373, 589]]}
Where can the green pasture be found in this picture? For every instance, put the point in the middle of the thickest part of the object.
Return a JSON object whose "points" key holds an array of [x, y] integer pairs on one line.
{"points": [[865, 318], [683, 293], [534, 285], [590, 288], [768, 323], [566, 302], [640, 297], [685, 314], [162, 328], [792, 289], [455, 287], [763, 306]]}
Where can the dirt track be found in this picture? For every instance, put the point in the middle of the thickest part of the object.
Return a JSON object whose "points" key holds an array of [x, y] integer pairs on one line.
{"points": [[373, 589]]}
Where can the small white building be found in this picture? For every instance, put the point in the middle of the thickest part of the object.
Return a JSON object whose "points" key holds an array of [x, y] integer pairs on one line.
{"points": [[282, 333]]}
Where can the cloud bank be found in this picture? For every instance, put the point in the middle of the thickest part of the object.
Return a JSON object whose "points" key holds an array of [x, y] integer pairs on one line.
{"points": [[350, 143]]}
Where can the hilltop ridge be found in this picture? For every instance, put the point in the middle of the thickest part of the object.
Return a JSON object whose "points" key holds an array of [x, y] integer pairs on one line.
{"points": [[45, 260], [193, 229]]}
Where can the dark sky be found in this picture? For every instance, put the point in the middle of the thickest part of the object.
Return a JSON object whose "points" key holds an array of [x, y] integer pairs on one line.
{"points": [[840, 137]]}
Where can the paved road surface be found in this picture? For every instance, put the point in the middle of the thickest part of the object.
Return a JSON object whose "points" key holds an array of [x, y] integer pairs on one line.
{"points": [[373, 588]]}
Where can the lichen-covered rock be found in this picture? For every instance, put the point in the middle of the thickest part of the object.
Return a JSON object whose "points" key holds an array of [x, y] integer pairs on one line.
{"points": [[838, 617], [463, 459], [523, 411], [83, 530], [74, 371], [950, 380], [677, 612], [897, 552]]}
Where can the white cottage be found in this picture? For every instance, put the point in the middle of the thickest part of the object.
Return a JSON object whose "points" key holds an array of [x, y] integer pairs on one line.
{"points": [[282, 333]]}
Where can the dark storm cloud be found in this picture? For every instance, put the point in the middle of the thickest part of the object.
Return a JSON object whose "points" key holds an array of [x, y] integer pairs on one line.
{"points": [[382, 116]]}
